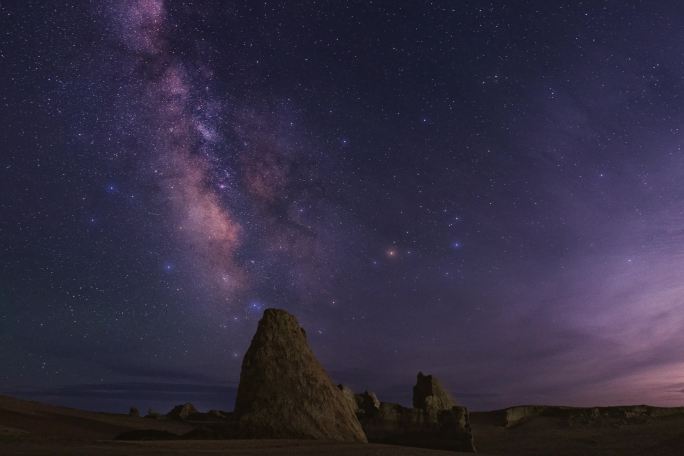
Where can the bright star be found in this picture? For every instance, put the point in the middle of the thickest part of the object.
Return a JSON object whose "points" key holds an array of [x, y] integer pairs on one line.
{"points": [[255, 307]]}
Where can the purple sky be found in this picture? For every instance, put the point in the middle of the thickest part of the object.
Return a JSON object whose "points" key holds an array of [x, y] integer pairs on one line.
{"points": [[488, 193]]}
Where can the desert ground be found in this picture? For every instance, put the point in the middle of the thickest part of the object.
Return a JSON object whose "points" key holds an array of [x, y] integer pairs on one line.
{"points": [[216, 447], [566, 431], [32, 428]]}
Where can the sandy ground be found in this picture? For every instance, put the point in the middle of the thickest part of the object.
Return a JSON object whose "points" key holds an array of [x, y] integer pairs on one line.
{"points": [[37, 421], [31, 428], [553, 436], [214, 447]]}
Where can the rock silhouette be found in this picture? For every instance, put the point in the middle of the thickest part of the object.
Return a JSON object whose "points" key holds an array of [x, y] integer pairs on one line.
{"points": [[182, 412], [434, 422], [429, 395], [285, 393], [367, 403]]}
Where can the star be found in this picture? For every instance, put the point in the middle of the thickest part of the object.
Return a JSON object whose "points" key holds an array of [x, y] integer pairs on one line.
{"points": [[255, 307]]}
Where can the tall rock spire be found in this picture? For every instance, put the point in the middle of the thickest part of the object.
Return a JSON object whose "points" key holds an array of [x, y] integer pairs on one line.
{"points": [[285, 393]]}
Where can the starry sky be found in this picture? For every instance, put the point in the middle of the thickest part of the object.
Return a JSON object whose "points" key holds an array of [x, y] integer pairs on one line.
{"points": [[487, 191]]}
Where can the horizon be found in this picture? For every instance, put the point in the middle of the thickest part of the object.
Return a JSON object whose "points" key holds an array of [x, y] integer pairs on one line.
{"points": [[487, 193]]}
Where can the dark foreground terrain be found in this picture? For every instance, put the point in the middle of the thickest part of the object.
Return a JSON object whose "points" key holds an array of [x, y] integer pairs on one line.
{"points": [[215, 447], [569, 431], [31, 428]]}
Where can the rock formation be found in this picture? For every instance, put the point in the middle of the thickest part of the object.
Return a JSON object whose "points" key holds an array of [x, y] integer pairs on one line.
{"points": [[367, 403], [217, 414], [182, 412], [285, 393], [348, 395], [434, 422], [585, 416], [429, 395]]}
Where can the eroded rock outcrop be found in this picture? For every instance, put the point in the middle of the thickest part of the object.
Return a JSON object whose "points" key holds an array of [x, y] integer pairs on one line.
{"points": [[285, 393], [434, 422], [367, 403], [182, 412], [592, 417], [429, 395]]}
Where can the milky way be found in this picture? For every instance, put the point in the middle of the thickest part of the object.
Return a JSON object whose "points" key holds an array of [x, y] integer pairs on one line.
{"points": [[181, 141], [187, 129], [488, 193]]}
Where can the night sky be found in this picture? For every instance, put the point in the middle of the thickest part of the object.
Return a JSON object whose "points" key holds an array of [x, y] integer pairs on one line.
{"points": [[491, 192]]}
